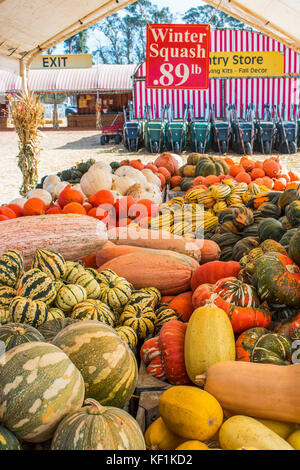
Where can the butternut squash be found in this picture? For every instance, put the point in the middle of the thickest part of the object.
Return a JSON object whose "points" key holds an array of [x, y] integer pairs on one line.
{"points": [[168, 271], [209, 339], [159, 437], [74, 236], [156, 239], [259, 390], [242, 431], [190, 412], [110, 251]]}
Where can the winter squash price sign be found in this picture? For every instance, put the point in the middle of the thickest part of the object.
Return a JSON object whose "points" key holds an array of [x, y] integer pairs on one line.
{"points": [[177, 56]]}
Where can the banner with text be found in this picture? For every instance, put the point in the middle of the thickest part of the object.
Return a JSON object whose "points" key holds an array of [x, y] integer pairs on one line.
{"points": [[246, 64], [177, 56]]}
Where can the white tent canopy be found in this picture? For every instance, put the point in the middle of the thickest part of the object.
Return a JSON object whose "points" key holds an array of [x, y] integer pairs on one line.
{"points": [[279, 19], [33, 26]]}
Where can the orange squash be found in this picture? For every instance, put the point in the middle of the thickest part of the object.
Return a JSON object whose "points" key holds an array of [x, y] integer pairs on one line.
{"points": [[34, 206], [210, 251], [111, 251], [183, 306], [166, 270], [258, 390]]}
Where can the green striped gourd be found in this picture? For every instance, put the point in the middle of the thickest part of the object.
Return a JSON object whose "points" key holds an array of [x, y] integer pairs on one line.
{"points": [[87, 280], [40, 386], [128, 335], [163, 315], [50, 262], [72, 268], [51, 328], [14, 334], [24, 310], [115, 291], [155, 293], [69, 296], [140, 318], [7, 294], [11, 268], [37, 286], [8, 440], [91, 309], [4, 316], [58, 284], [142, 299], [108, 366], [55, 313], [93, 271], [95, 427]]}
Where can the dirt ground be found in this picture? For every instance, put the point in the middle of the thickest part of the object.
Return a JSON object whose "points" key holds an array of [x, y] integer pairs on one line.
{"points": [[62, 149]]}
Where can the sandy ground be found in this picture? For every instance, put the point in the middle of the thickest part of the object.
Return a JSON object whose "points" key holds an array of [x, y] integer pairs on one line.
{"points": [[62, 149]]}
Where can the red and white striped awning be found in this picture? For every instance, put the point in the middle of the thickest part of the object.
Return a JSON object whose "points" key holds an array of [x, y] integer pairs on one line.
{"points": [[104, 78]]}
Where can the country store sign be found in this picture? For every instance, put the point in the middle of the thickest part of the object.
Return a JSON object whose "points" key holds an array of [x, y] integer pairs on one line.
{"points": [[179, 57]]}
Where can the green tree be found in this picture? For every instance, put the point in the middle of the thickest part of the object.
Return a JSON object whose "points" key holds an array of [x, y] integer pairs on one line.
{"points": [[77, 44], [124, 35], [206, 13]]}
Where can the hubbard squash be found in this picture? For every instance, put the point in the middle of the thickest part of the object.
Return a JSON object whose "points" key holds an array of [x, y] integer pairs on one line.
{"points": [[239, 431], [209, 339], [73, 236], [259, 390], [294, 247], [190, 412], [169, 272]]}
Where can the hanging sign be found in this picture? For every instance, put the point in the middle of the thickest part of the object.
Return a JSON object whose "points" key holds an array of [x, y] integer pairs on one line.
{"points": [[66, 61], [177, 56]]}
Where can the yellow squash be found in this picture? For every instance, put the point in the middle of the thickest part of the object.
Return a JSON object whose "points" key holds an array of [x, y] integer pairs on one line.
{"points": [[193, 445], [242, 431], [294, 440], [190, 412], [159, 437], [209, 339], [283, 430]]}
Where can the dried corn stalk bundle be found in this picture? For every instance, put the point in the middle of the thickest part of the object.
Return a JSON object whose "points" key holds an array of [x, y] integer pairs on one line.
{"points": [[27, 115]]}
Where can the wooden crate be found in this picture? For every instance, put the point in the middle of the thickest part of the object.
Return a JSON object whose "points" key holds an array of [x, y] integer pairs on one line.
{"points": [[168, 194]]}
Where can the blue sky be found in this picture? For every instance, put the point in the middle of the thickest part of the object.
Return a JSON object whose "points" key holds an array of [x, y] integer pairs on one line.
{"points": [[177, 7]]}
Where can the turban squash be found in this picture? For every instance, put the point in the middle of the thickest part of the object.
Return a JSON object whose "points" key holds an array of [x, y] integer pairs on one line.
{"points": [[237, 292], [164, 354], [278, 279], [259, 345]]}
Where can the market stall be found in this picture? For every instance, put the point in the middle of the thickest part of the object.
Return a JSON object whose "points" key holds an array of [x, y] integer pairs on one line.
{"points": [[110, 84], [277, 83]]}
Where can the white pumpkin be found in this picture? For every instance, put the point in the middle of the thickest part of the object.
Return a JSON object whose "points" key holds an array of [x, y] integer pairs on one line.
{"points": [[178, 158], [50, 180], [102, 166], [132, 173], [20, 201], [57, 189], [122, 184], [151, 177], [152, 192], [41, 194], [95, 180]]}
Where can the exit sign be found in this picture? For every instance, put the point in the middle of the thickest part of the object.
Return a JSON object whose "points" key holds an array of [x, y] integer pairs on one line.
{"points": [[62, 61]]}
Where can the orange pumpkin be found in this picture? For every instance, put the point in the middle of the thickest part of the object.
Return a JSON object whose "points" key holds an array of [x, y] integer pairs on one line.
{"points": [[183, 306], [34, 206], [175, 181], [257, 173], [90, 261], [9, 213], [167, 298], [69, 195], [167, 161], [210, 251], [137, 164], [3, 218], [152, 167], [271, 167], [214, 271], [293, 176], [143, 208], [54, 210], [243, 177], [293, 185], [234, 170], [74, 208], [165, 172], [279, 185], [98, 213], [123, 205], [18, 210], [104, 196], [162, 178], [268, 182], [211, 179], [247, 164]]}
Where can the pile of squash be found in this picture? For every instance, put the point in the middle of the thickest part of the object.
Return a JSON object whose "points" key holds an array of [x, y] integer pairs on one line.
{"points": [[193, 419]]}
